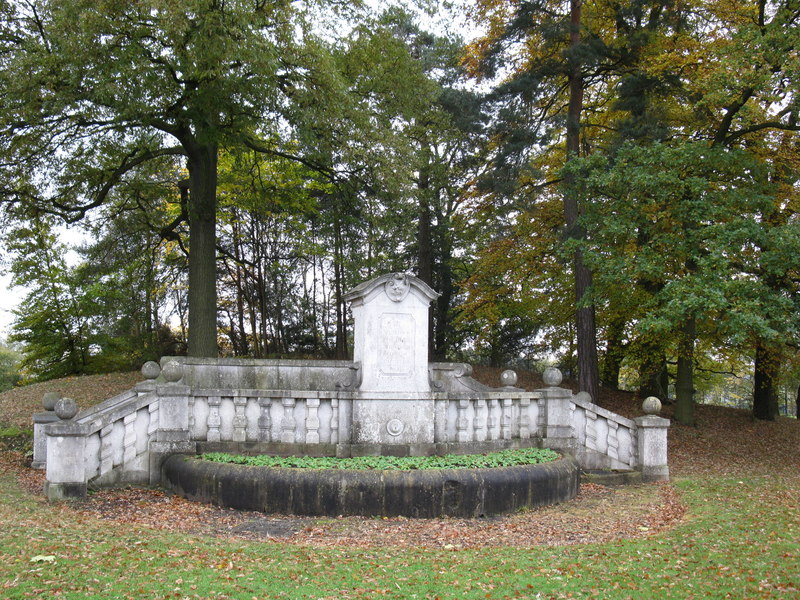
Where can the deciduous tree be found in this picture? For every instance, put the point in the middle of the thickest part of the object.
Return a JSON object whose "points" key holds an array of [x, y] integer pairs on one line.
{"points": [[93, 91]]}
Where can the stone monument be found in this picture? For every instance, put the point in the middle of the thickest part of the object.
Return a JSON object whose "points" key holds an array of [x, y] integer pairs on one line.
{"points": [[388, 400], [395, 405]]}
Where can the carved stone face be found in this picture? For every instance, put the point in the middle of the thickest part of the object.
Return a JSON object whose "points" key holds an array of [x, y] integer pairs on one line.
{"points": [[397, 287]]}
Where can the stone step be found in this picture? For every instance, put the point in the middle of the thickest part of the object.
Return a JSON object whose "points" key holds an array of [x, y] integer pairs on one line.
{"points": [[611, 477]]}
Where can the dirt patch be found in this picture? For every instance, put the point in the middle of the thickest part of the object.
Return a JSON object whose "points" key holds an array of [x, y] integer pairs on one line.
{"points": [[266, 528]]}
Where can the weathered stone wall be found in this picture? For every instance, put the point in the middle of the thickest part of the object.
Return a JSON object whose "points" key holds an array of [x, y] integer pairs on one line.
{"points": [[425, 493]]}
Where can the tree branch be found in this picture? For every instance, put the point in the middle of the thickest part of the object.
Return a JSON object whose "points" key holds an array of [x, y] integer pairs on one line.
{"points": [[760, 126], [731, 110], [128, 163], [258, 145]]}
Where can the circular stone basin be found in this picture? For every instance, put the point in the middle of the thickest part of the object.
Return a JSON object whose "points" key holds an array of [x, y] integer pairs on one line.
{"points": [[332, 492]]}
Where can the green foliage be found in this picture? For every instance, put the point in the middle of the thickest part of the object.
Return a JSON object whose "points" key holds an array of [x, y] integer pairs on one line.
{"points": [[340, 156], [694, 241], [503, 458], [96, 316], [96, 93], [10, 360], [12, 432], [519, 294], [17, 440], [52, 322], [687, 241]]}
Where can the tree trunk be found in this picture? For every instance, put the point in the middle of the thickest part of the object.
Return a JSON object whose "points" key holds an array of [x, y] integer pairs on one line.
{"points": [[797, 404], [202, 251], [341, 350], [443, 302], [588, 368], [765, 400], [239, 278], [653, 377], [684, 382], [615, 353], [425, 243], [425, 265], [586, 330]]}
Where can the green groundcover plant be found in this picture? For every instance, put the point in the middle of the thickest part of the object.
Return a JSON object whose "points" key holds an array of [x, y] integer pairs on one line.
{"points": [[502, 458]]}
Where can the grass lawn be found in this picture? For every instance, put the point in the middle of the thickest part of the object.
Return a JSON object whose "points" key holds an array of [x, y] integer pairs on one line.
{"points": [[739, 538]]}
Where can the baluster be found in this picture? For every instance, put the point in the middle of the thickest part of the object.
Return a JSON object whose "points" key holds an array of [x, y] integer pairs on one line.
{"points": [[152, 425], [191, 415], [591, 430], [613, 440], [265, 420], [505, 420], [524, 418], [239, 419], [214, 420], [480, 420], [288, 423], [491, 419], [312, 420], [462, 422], [334, 420], [129, 438], [541, 417], [106, 449]]}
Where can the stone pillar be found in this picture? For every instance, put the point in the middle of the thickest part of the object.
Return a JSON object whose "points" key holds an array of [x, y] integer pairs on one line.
{"points": [[652, 440], [40, 421], [66, 443], [558, 412], [172, 435], [173, 406]]}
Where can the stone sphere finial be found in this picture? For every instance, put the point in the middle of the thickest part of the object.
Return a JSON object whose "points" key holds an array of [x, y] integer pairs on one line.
{"points": [[651, 405], [552, 377], [508, 378], [66, 408], [151, 370], [49, 400], [462, 370], [172, 371]]}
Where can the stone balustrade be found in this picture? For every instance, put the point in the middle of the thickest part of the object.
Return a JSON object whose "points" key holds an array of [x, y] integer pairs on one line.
{"points": [[313, 417], [388, 400], [603, 439], [105, 445], [125, 439]]}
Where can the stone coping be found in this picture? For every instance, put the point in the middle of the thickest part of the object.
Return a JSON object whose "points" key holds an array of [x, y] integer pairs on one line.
{"points": [[489, 394], [260, 362], [603, 412], [94, 418]]}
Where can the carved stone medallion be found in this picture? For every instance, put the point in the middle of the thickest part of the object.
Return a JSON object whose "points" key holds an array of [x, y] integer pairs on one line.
{"points": [[397, 287], [395, 427]]}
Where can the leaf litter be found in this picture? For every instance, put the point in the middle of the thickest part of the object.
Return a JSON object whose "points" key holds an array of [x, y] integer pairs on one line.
{"points": [[597, 514], [725, 442]]}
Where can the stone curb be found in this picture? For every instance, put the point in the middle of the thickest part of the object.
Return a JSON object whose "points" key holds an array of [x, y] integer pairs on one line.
{"points": [[426, 493]]}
